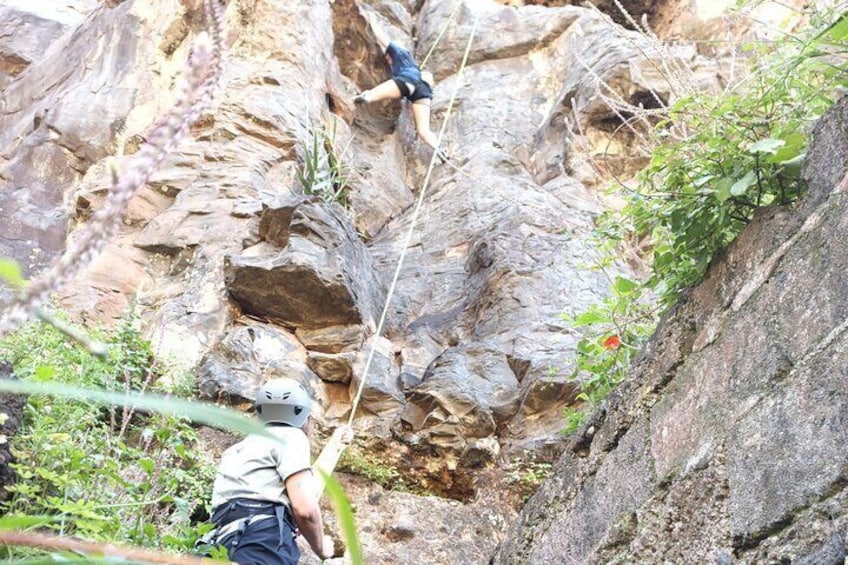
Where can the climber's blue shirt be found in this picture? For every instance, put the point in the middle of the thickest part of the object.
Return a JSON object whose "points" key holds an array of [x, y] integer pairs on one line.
{"points": [[403, 65]]}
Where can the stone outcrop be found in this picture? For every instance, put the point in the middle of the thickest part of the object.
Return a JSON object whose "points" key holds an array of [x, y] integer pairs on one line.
{"points": [[728, 441], [309, 271], [28, 29], [404, 527], [464, 396]]}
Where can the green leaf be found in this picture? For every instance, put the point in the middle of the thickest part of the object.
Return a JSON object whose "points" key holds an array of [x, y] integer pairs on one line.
{"points": [[768, 145], [722, 189], [793, 147], [345, 514], [839, 30], [44, 372], [742, 185], [199, 412], [625, 286], [146, 465], [23, 522], [588, 318], [793, 166], [11, 272]]}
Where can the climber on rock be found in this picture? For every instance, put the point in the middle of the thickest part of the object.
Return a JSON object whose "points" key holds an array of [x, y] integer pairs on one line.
{"points": [[265, 492], [408, 81]]}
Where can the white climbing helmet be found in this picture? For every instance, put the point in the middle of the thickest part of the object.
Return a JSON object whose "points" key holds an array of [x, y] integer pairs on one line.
{"points": [[283, 401]]}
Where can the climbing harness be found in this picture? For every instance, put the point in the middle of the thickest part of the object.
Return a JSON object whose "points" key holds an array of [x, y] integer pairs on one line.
{"points": [[234, 516]]}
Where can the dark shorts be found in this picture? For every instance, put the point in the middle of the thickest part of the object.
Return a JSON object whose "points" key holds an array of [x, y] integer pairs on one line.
{"points": [[268, 541], [421, 88], [260, 544]]}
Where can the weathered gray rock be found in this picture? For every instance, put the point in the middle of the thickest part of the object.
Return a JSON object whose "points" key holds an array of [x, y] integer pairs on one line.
{"points": [[333, 367], [322, 276], [730, 436], [23, 37], [28, 29], [465, 394], [249, 355], [52, 128], [415, 357], [381, 392], [601, 61], [401, 526], [521, 31]]}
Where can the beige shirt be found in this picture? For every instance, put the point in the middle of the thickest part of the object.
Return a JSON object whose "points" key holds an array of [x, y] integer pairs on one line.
{"points": [[257, 466]]}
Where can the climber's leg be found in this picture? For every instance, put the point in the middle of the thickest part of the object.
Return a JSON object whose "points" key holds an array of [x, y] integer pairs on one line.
{"points": [[421, 115], [388, 90]]}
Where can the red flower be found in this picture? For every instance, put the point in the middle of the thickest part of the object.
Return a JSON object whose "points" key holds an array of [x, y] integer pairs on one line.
{"points": [[612, 342]]}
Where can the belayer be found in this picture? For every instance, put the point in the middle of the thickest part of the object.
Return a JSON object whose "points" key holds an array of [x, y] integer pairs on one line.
{"points": [[408, 82], [265, 493]]}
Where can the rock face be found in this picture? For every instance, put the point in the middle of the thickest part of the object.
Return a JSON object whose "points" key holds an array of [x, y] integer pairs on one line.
{"points": [[728, 442], [241, 268]]}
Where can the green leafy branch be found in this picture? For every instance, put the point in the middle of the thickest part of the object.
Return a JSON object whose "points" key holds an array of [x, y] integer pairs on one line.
{"points": [[715, 160]]}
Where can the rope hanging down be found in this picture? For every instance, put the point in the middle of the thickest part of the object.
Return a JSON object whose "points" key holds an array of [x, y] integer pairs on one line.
{"points": [[329, 456], [441, 33], [410, 231]]}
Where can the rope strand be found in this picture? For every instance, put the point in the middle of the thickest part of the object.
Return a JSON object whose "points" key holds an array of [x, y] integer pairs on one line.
{"points": [[441, 33], [410, 231]]}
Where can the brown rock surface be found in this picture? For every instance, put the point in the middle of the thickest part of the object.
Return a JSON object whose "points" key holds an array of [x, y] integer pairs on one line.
{"points": [[239, 276]]}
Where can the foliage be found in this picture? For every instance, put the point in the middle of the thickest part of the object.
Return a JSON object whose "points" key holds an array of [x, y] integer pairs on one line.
{"points": [[718, 158], [715, 160], [117, 474], [526, 474], [11, 272], [358, 462], [611, 333], [323, 172]]}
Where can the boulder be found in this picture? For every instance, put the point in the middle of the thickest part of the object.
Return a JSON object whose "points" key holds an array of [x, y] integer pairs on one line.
{"points": [[402, 527], [245, 358], [332, 367], [332, 339], [418, 353], [321, 276]]}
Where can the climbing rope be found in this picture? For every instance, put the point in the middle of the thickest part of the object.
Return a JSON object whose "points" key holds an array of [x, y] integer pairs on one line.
{"points": [[441, 33], [411, 229]]}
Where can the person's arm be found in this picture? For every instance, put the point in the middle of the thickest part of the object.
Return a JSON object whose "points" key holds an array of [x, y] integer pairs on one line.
{"points": [[300, 488], [383, 40]]}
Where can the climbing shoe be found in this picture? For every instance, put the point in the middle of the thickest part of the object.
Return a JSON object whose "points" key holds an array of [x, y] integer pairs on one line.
{"points": [[442, 157], [359, 99]]}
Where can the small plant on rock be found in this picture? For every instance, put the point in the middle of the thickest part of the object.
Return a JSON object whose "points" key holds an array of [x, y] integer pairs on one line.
{"points": [[526, 474], [323, 172], [367, 465]]}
